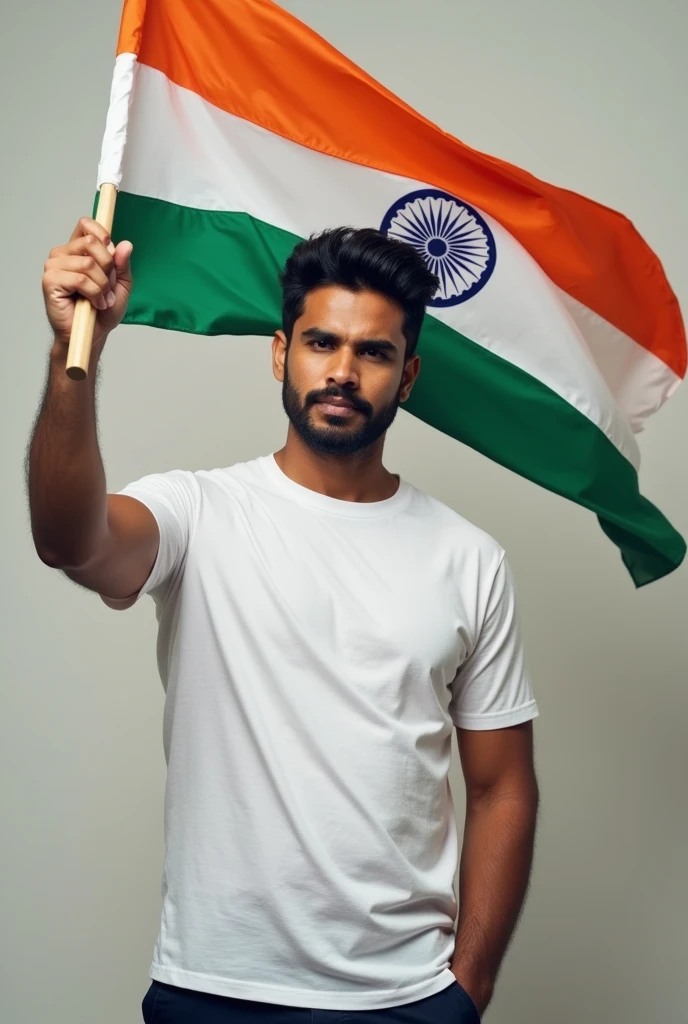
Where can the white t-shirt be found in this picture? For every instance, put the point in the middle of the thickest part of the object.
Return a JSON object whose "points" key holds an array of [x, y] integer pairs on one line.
{"points": [[316, 655]]}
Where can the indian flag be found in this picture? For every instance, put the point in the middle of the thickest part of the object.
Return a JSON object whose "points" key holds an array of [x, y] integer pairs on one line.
{"points": [[234, 131]]}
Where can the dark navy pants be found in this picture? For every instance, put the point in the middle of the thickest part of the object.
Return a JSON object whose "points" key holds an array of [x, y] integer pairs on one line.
{"points": [[168, 1004]]}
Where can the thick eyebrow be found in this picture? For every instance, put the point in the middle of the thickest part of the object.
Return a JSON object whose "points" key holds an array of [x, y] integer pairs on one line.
{"points": [[381, 344]]}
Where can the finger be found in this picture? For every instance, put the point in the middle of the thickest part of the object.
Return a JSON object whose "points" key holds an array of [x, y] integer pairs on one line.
{"points": [[81, 265], [89, 226], [87, 245], [60, 283], [122, 261]]}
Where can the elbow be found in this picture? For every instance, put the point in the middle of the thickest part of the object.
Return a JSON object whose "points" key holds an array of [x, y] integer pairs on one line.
{"points": [[47, 555], [67, 553], [516, 788], [62, 560]]}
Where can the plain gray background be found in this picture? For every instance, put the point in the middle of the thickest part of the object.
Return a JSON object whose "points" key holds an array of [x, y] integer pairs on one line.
{"points": [[591, 95]]}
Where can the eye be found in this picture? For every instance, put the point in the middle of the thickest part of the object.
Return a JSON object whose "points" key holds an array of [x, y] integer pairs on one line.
{"points": [[321, 343], [375, 352]]}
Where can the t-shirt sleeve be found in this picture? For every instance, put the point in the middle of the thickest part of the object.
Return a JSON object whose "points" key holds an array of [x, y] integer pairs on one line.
{"points": [[492, 688], [174, 500]]}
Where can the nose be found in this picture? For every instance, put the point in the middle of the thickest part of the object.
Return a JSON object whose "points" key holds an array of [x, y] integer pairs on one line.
{"points": [[341, 369]]}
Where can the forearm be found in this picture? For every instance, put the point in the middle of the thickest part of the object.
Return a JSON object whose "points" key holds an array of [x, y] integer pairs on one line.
{"points": [[66, 478], [495, 868]]}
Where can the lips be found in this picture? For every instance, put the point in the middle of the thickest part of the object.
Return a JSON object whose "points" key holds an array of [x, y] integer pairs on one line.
{"points": [[337, 408], [342, 402]]}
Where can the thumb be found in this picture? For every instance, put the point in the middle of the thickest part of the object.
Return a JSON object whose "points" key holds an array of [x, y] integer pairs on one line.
{"points": [[122, 260], [120, 283]]}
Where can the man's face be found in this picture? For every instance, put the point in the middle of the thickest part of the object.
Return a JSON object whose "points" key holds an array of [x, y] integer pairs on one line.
{"points": [[345, 371]]}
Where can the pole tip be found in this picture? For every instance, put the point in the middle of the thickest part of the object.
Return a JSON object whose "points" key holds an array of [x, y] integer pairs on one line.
{"points": [[76, 373]]}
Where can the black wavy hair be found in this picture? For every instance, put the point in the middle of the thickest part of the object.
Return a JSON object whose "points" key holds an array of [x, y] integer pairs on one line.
{"points": [[358, 259]]}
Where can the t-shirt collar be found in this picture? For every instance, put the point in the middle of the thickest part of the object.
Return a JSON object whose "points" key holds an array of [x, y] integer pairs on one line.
{"points": [[337, 506]]}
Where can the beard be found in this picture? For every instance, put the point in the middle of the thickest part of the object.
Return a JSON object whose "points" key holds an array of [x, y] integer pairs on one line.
{"points": [[338, 438]]}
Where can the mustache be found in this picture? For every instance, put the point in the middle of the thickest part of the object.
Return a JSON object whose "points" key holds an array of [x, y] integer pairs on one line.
{"points": [[359, 404]]}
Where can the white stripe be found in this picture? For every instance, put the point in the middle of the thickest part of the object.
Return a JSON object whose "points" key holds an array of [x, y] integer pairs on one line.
{"points": [[115, 134], [640, 382], [186, 151]]}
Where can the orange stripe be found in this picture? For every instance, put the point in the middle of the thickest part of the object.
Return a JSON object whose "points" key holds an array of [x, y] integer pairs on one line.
{"points": [[253, 59], [131, 26]]}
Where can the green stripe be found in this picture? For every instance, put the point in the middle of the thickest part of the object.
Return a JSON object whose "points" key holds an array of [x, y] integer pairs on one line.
{"points": [[207, 272], [504, 413]]}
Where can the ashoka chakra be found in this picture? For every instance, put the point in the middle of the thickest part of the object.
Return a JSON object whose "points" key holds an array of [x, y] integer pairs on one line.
{"points": [[452, 237]]}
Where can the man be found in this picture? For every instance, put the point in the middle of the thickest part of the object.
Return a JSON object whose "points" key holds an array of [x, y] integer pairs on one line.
{"points": [[323, 627]]}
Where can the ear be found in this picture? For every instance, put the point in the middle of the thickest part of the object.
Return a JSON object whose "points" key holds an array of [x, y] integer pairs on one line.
{"points": [[279, 354], [408, 377]]}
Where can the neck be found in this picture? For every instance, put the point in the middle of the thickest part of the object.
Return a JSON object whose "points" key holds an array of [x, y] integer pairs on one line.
{"points": [[357, 477]]}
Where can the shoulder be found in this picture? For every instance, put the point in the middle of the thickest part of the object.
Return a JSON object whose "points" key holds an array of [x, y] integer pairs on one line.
{"points": [[238, 476], [463, 537], [188, 490]]}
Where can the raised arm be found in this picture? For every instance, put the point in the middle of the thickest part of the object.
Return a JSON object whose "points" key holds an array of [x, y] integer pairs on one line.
{"points": [[105, 542]]}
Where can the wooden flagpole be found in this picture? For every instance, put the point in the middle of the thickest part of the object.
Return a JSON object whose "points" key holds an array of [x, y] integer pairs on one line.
{"points": [[84, 322]]}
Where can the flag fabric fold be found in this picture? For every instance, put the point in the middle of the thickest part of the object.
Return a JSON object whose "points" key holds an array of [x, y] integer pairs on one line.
{"points": [[234, 131]]}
